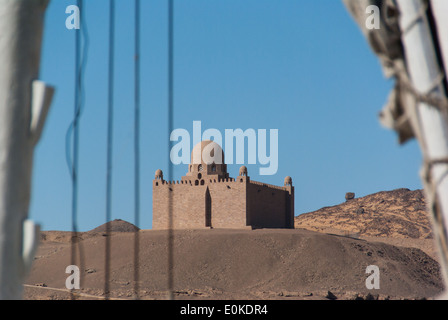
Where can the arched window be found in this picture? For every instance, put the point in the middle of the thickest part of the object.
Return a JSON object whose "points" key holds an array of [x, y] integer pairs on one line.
{"points": [[213, 168], [200, 168]]}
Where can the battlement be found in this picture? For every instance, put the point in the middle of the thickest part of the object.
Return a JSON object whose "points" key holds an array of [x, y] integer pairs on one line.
{"points": [[197, 182], [208, 181], [268, 185]]}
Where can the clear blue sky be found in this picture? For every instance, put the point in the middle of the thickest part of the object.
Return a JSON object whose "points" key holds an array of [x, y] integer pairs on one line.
{"points": [[301, 67]]}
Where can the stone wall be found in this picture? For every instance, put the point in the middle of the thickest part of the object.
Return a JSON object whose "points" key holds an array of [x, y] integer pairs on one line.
{"points": [[269, 206], [228, 203], [188, 205]]}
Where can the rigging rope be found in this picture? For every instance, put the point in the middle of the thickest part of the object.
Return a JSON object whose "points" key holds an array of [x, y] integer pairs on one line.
{"points": [[137, 148], [170, 164], [109, 144], [81, 49]]}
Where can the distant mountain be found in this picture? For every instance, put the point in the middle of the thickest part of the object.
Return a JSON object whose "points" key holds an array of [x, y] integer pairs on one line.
{"points": [[399, 213], [116, 225]]}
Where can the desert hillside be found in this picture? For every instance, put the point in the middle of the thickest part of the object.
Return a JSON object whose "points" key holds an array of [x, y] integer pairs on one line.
{"points": [[389, 229], [399, 214], [236, 264]]}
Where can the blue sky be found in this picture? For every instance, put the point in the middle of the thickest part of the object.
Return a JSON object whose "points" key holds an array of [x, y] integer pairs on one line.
{"points": [[301, 67]]}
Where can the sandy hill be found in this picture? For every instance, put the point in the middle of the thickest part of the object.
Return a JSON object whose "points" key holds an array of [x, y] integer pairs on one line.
{"points": [[116, 225], [395, 214], [237, 264], [387, 229]]}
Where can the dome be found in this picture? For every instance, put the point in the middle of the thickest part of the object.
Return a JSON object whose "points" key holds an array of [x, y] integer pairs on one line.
{"points": [[288, 181], [243, 171], [207, 161], [159, 174], [207, 152]]}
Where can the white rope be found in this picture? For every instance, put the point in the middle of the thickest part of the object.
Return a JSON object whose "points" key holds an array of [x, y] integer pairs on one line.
{"points": [[428, 98], [420, 15]]}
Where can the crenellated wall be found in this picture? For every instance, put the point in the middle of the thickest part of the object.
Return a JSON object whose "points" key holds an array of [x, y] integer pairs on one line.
{"points": [[222, 203], [228, 204], [269, 206], [188, 205]]}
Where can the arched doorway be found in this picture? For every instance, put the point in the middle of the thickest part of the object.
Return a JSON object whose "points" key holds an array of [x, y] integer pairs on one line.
{"points": [[208, 209]]}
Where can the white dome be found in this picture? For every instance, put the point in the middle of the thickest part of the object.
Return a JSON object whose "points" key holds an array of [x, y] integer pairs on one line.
{"points": [[207, 152]]}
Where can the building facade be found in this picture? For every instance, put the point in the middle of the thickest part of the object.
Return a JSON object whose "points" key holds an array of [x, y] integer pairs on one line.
{"points": [[206, 197]]}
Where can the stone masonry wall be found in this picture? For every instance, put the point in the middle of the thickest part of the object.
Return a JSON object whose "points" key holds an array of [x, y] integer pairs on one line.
{"points": [[228, 204], [232, 203], [188, 206], [269, 206]]}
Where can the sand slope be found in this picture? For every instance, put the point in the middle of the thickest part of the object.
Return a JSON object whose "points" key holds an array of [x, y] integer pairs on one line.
{"points": [[236, 264]]}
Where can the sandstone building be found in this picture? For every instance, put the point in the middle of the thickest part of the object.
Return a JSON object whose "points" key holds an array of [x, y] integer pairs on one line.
{"points": [[206, 197]]}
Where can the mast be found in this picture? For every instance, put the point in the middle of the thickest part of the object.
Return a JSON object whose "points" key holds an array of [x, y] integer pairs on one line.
{"points": [[426, 75], [412, 45], [24, 103], [440, 12]]}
